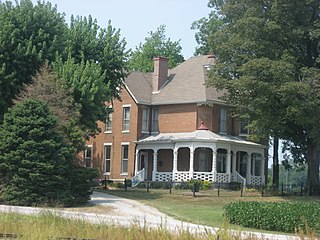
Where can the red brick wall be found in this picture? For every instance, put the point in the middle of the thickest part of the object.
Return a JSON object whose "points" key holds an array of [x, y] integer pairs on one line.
{"points": [[177, 118], [116, 138]]}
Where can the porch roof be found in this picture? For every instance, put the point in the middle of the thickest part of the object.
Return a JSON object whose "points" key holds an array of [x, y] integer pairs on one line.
{"points": [[196, 136]]}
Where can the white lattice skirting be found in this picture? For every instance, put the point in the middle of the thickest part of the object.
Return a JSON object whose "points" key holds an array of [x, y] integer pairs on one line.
{"points": [[204, 176], [222, 177], [163, 176], [181, 176], [256, 180]]}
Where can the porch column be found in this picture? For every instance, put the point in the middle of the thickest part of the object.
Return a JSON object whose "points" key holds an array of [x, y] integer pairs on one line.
{"points": [[214, 165], [136, 162], [229, 165], [191, 168], [249, 159], [234, 163], [175, 163], [263, 159], [155, 164]]}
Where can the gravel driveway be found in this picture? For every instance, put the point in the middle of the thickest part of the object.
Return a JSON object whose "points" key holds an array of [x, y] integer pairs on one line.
{"points": [[126, 212]]}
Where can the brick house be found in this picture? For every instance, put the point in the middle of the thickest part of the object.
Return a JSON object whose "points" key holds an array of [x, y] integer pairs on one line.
{"points": [[170, 126]]}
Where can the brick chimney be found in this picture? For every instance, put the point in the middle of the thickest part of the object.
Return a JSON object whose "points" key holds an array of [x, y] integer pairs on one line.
{"points": [[160, 73]]}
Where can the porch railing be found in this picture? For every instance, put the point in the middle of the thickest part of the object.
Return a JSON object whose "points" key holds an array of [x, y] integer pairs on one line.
{"points": [[182, 176], [139, 177], [163, 176], [204, 176], [236, 177], [256, 180], [222, 177]]}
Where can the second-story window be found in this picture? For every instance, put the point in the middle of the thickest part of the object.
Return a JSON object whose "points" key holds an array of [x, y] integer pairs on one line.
{"points": [[126, 119], [244, 127], [155, 122], [145, 120], [223, 120], [109, 120]]}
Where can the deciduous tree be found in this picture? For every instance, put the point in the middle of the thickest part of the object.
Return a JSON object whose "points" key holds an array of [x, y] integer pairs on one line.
{"points": [[29, 36], [268, 60], [155, 45]]}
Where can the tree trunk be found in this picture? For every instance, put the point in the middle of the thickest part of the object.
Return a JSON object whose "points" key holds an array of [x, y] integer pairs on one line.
{"points": [[275, 178], [313, 170]]}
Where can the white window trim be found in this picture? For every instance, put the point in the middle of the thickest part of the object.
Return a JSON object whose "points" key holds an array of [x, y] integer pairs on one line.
{"points": [[243, 134], [104, 145], [148, 117], [126, 106], [226, 121], [109, 131], [84, 162], [124, 144], [152, 121]]}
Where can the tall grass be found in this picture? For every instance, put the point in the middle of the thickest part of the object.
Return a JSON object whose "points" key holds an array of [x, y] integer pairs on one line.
{"points": [[50, 226]]}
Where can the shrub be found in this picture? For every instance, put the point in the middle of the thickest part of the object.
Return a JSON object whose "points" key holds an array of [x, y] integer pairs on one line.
{"points": [[283, 216], [206, 185], [182, 185]]}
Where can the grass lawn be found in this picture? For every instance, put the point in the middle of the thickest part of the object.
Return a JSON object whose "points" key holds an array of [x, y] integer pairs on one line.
{"points": [[206, 208]]}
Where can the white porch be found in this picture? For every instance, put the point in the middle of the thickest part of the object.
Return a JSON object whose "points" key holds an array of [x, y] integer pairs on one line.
{"points": [[200, 155]]}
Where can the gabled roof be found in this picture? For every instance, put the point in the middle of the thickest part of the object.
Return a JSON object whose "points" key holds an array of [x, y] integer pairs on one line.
{"points": [[196, 136], [185, 84]]}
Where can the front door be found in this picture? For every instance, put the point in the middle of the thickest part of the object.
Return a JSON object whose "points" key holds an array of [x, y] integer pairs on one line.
{"points": [[144, 163]]}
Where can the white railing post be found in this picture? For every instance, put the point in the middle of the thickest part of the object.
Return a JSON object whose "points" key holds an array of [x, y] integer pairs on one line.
{"points": [[155, 162]]}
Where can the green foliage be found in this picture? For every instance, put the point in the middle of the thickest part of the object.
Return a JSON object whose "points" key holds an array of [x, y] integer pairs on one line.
{"points": [[268, 61], [205, 27], [81, 180], [36, 166], [87, 41], [87, 87], [56, 93], [275, 216], [156, 45], [29, 35]]}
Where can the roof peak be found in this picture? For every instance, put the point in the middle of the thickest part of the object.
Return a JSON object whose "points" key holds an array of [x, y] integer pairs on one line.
{"points": [[202, 126]]}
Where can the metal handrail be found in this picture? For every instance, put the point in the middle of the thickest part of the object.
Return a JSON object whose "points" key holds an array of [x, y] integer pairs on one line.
{"points": [[138, 178]]}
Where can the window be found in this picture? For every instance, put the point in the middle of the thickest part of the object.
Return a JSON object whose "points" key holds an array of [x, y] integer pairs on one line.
{"points": [[223, 120], [244, 127], [145, 120], [126, 119], [155, 123], [109, 120], [221, 160], [87, 156], [256, 164], [124, 160], [107, 154]]}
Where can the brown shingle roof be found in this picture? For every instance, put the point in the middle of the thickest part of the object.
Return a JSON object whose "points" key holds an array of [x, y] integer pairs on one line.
{"points": [[185, 84]]}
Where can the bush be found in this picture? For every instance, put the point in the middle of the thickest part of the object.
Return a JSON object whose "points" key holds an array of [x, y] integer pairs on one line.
{"points": [[161, 185], [206, 185], [283, 216], [182, 185]]}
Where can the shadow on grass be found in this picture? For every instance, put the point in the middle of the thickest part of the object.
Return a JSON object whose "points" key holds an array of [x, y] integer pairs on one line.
{"points": [[135, 194]]}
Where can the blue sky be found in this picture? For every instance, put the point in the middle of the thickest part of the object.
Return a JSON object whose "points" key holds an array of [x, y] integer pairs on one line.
{"points": [[136, 18]]}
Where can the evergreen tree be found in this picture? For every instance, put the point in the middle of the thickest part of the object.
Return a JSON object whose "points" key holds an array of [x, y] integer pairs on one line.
{"points": [[36, 166]]}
